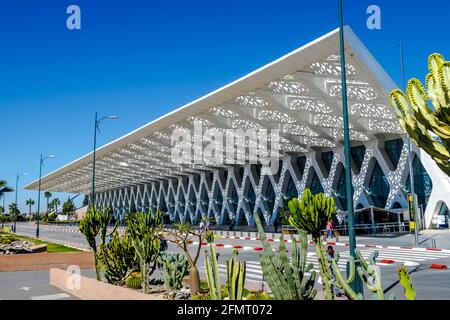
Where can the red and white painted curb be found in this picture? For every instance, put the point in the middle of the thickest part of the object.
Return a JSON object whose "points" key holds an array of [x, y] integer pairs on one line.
{"points": [[344, 244]]}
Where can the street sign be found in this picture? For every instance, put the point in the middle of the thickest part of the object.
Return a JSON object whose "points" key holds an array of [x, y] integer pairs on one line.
{"points": [[411, 207]]}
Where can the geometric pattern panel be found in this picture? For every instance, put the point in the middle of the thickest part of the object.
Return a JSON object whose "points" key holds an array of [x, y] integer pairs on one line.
{"points": [[236, 193]]}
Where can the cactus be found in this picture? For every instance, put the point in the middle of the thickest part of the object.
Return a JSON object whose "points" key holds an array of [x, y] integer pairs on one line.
{"points": [[119, 259], [311, 214], [236, 277], [144, 229], [371, 275], [134, 281], [429, 129], [209, 237], [95, 223], [405, 281], [175, 267], [212, 274], [344, 283], [287, 280]]}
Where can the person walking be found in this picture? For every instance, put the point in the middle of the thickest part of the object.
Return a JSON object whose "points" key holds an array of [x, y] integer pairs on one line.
{"points": [[330, 230]]}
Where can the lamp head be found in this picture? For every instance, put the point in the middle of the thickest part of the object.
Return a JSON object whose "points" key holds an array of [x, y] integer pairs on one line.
{"points": [[113, 117]]}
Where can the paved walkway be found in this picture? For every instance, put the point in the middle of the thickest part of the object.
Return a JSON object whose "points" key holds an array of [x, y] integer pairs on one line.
{"points": [[30, 285]]}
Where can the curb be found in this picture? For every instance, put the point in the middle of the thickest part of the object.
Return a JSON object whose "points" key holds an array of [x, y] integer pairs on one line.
{"points": [[345, 244]]}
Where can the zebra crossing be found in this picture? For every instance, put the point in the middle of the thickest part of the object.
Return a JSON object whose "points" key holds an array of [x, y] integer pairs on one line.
{"points": [[386, 257]]}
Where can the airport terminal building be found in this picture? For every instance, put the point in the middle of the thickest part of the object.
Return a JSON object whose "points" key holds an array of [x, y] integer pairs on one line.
{"points": [[299, 95]]}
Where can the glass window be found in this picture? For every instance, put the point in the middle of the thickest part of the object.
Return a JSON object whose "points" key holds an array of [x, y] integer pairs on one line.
{"points": [[358, 154], [181, 202], [394, 150], [301, 162], [327, 159], [422, 183], [316, 186], [291, 190], [193, 202], [162, 205], [234, 200], [341, 192], [250, 197], [379, 187], [219, 198], [270, 196], [204, 201]]}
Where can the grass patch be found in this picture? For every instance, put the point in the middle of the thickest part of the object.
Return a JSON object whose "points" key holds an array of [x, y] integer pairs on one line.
{"points": [[51, 247]]}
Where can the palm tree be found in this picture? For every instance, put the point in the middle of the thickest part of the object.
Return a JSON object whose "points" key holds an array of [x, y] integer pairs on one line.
{"points": [[48, 195], [30, 203], [14, 210], [55, 203], [4, 188]]}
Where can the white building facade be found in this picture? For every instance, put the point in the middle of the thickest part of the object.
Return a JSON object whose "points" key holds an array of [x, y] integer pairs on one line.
{"points": [[299, 95]]}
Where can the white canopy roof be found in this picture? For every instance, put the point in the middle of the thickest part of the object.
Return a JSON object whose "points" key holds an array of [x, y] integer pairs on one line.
{"points": [[300, 94]]}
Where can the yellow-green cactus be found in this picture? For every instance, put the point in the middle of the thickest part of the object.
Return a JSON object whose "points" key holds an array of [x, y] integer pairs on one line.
{"points": [[405, 281], [428, 128]]}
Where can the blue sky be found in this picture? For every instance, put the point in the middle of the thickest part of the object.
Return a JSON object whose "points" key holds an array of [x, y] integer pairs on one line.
{"points": [[142, 59]]}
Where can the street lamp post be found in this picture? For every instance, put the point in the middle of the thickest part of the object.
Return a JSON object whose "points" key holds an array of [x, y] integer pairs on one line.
{"points": [[357, 282], [412, 204], [18, 176], [96, 127], [43, 158]]}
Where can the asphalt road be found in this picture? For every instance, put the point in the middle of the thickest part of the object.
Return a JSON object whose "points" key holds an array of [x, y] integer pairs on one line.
{"points": [[430, 283]]}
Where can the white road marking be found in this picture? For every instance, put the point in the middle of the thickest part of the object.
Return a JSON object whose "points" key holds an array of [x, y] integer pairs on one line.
{"points": [[25, 289], [57, 296]]}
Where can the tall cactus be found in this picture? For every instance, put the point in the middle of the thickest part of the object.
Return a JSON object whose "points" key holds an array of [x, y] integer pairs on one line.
{"points": [[429, 129], [144, 229], [311, 214], [95, 223], [236, 271], [212, 274], [286, 280], [119, 259]]}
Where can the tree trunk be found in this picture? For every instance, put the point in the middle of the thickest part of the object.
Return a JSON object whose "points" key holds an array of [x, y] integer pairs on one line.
{"points": [[97, 269], [145, 276], [194, 280]]}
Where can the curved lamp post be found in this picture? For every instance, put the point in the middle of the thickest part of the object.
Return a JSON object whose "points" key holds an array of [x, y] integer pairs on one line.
{"points": [[97, 128], [18, 176], [43, 158]]}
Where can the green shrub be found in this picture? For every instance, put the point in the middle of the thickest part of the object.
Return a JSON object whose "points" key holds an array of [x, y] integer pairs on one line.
{"points": [[52, 217]]}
